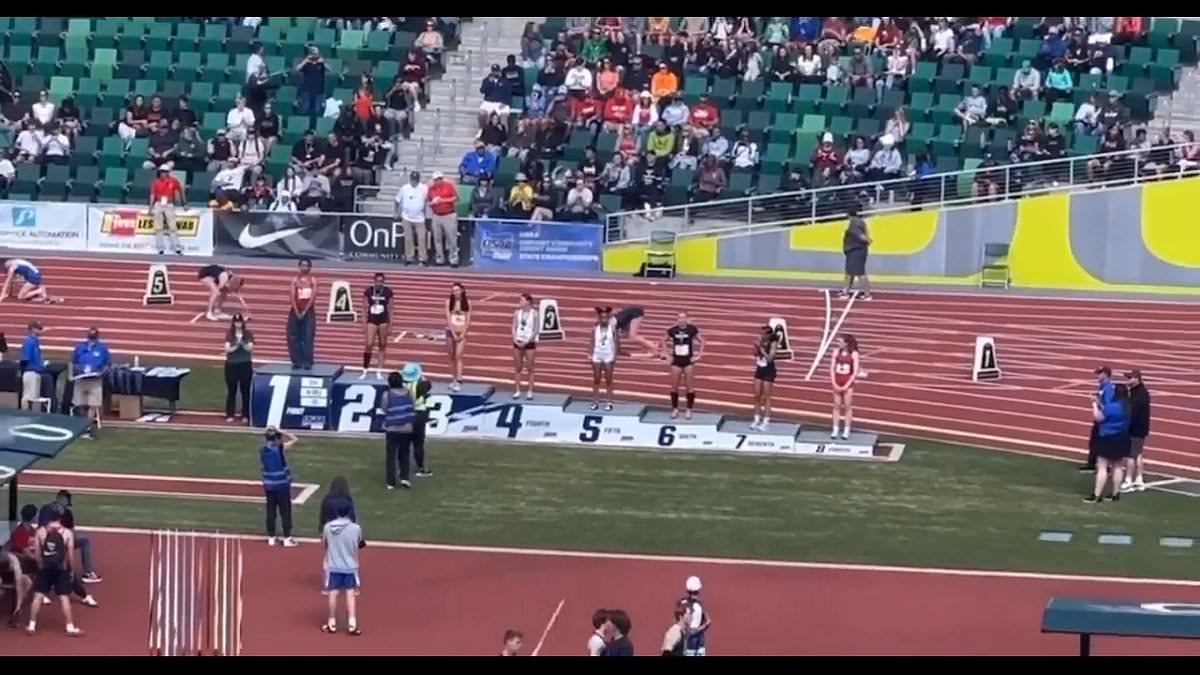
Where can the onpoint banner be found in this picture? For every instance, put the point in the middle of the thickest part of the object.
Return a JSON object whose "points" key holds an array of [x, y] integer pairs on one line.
{"points": [[130, 229], [48, 226]]}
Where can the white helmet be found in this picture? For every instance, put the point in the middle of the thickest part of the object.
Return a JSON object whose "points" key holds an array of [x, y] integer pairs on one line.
{"points": [[693, 584]]}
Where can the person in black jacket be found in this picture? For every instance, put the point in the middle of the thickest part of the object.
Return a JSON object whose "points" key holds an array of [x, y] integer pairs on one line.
{"points": [[1139, 430]]}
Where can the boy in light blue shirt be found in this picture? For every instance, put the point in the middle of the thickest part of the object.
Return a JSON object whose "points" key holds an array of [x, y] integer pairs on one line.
{"points": [[342, 539]]}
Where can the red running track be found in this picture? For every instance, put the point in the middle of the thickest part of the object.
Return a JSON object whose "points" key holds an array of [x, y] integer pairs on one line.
{"points": [[917, 345], [460, 601]]}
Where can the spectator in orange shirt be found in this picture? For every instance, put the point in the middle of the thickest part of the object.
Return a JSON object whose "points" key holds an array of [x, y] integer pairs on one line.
{"points": [[664, 82], [608, 79], [704, 116], [618, 110], [364, 99]]}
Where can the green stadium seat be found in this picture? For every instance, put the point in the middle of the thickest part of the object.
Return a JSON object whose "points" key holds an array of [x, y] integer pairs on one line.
{"points": [[187, 36], [25, 184], [84, 185], [112, 188], [159, 67], [784, 127], [159, 37], [61, 87], [79, 27], [835, 100], [47, 60], [216, 67], [187, 67], [751, 94]]}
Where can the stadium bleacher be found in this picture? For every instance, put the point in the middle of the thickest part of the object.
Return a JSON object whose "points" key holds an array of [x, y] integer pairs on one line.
{"points": [[102, 63], [789, 114]]}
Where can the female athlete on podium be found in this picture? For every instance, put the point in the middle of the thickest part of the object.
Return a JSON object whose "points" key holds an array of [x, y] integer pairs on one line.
{"points": [[458, 324], [843, 371]]}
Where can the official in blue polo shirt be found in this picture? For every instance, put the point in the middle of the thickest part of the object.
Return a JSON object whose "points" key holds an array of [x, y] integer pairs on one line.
{"points": [[399, 416], [32, 365], [88, 364], [1112, 443], [277, 483], [1104, 394]]}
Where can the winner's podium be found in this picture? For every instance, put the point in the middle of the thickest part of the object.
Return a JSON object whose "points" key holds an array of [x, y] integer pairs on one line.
{"points": [[290, 398]]}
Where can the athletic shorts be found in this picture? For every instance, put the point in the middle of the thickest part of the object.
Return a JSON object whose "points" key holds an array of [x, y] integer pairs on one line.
{"points": [[339, 581], [603, 359], [53, 581], [681, 361], [765, 373], [89, 392], [1136, 446], [378, 319], [531, 346]]}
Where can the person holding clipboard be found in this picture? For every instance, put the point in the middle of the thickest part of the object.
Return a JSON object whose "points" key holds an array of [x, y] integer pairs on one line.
{"points": [[89, 362]]}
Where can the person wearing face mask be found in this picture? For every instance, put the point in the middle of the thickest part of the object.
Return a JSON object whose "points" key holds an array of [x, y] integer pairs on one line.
{"points": [[239, 367], [89, 361], [277, 484]]}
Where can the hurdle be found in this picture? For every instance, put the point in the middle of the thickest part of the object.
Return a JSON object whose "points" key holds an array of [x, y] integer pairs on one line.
{"points": [[195, 594]]}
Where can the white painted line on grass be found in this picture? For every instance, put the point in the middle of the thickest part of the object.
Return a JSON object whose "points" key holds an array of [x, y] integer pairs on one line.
{"points": [[549, 627], [124, 492], [143, 477], [309, 490], [700, 560]]}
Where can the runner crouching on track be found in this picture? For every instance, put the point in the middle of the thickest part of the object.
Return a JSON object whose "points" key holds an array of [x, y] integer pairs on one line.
{"points": [[604, 349], [379, 324], [458, 324], [525, 330], [1112, 443], [342, 538], [222, 284], [843, 371], [629, 323], [686, 346], [764, 377], [32, 289]]}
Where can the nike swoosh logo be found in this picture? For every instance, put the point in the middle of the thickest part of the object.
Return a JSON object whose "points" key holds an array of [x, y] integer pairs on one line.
{"points": [[248, 240]]}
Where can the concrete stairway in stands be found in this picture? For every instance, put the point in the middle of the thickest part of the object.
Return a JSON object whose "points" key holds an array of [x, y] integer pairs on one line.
{"points": [[1181, 111], [447, 127]]}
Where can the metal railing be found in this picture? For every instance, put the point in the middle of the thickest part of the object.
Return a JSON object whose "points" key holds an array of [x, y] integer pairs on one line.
{"points": [[940, 190]]}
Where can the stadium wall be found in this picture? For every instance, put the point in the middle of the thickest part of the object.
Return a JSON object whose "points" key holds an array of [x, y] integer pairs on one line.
{"points": [[1135, 239]]}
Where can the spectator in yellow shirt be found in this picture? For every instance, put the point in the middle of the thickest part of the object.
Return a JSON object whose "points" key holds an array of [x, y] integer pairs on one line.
{"points": [[520, 198]]}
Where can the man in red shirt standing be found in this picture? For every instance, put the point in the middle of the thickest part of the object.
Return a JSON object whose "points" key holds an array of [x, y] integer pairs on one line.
{"points": [[443, 201], [165, 194], [585, 110], [704, 116]]}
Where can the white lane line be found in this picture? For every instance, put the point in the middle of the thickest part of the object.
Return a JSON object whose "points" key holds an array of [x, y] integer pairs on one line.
{"points": [[549, 626], [701, 560]]}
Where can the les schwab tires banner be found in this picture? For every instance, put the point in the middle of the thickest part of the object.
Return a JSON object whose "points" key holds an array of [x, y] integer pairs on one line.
{"points": [[43, 226], [130, 229]]}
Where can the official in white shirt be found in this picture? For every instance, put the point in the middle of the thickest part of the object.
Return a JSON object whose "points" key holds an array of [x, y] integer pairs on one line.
{"points": [[411, 203]]}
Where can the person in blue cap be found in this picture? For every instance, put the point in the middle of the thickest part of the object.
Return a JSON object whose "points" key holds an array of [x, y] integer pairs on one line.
{"points": [[418, 389]]}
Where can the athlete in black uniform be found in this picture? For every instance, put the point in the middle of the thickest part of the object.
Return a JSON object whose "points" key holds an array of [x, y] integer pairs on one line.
{"points": [[55, 549], [379, 324], [764, 376], [684, 346], [221, 283]]}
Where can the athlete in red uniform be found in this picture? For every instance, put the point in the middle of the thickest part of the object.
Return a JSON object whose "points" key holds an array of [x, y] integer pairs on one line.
{"points": [[302, 322], [843, 371]]}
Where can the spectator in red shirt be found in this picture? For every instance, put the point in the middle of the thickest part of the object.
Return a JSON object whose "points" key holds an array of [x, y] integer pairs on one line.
{"points": [[1128, 29], [703, 117], [608, 79], [585, 110], [618, 110], [888, 36], [825, 161], [443, 201], [22, 537]]}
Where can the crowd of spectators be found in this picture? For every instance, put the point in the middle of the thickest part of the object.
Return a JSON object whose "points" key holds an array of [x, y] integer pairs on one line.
{"points": [[322, 174], [619, 83]]}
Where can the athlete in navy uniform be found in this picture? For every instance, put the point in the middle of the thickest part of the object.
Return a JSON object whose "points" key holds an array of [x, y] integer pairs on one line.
{"points": [[32, 290], [697, 631], [55, 546], [629, 323], [221, 283], [379, 324], [685, 346], [764, 376]]}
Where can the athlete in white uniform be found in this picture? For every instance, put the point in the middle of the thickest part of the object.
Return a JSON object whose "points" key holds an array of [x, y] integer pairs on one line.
{"points": [[458, 324], [525, 328], [604, 350]]}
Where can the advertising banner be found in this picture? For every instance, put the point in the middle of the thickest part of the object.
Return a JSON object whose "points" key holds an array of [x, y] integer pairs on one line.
{"points": [[277, 234], [49, 226], [367, 237], [538, 246], [130, 229]]}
